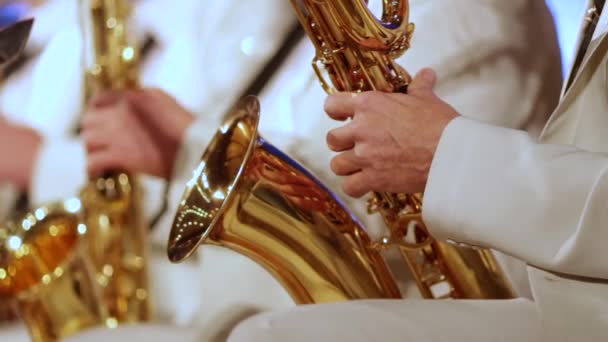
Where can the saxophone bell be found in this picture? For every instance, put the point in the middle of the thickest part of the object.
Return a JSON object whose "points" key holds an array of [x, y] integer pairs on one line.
{"points": [[45, 272], [249, 197]]}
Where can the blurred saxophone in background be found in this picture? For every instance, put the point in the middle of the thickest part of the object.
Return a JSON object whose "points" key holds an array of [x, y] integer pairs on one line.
{"points": [[45, 273], [357, 52], [112, 203], [70, 265]]}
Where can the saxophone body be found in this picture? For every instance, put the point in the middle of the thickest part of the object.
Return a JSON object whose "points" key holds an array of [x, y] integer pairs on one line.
{"points": [[249, 197], [112, 203], [356, 52]]}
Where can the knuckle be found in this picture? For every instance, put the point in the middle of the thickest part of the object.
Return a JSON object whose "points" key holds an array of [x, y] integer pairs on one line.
{"points": [[358, 126], [362, 100], [367, 99], [362, 151]]}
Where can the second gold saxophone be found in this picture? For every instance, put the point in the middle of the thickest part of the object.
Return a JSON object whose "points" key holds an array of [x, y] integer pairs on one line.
{"points": [[73, 264], [112, 203]]}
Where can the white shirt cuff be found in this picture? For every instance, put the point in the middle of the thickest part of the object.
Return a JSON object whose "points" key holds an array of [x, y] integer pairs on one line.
{"points": [[59, 171]]}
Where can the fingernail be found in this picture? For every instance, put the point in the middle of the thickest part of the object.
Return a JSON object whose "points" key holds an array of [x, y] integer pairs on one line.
{"points": [[428, 74]]}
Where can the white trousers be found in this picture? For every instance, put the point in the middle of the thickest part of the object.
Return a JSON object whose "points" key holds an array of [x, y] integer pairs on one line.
{"points": [[397, 320]]}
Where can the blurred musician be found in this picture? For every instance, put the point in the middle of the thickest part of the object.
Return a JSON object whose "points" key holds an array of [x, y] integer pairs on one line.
{"points": [[42, 104], [498, 51]]}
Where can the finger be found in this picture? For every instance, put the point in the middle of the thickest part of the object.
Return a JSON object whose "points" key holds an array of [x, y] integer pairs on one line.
{"points": [[93, 119], [340, 106], [95, 140], [423, 82], [341, 138], [357, 184], [145, 101], [345, 163], [106, 159], [150, 107], [105, 98]]}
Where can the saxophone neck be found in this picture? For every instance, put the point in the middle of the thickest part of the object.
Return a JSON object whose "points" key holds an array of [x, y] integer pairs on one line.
{"points": [[110, 59], [356, 48]]}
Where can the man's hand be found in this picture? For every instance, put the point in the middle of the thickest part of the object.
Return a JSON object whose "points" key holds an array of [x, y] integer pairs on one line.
{"points": [[389, 144], [19, 147], [135, 130]]}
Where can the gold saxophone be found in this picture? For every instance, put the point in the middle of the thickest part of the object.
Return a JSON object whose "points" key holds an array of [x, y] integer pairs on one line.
{"points": [[357, 52], [81, 262], [112, 203], [45, 274], [248, 196]]}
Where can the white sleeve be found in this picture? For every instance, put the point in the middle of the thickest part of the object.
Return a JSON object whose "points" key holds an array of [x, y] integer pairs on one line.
{"points": [[543, 203], [59, 171], [194, 143]]}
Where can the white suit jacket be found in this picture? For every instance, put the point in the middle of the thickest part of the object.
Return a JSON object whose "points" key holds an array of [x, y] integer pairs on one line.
{"points": [[479, 48], [543, 202]]}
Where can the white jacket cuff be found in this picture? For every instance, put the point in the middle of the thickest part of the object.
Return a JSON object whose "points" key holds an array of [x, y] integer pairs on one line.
{"points": [[497, 188], [59, 171]]}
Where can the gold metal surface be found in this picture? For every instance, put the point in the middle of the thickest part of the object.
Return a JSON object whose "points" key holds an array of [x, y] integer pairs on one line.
{"points": [[118, 232], [357, 51], [45, 271], [248, 196]]}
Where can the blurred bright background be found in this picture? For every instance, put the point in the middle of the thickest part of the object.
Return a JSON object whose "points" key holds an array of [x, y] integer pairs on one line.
{"points": [[568, 15]]}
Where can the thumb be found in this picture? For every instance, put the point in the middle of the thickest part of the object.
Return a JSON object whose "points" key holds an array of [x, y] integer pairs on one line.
{"points": [[145, 104], [423, 82]]}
